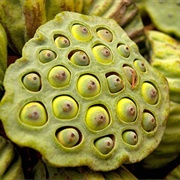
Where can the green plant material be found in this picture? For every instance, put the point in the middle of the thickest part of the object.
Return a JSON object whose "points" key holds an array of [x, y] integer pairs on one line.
{"points": [[10, 161], [70, 123], [174, 174], [165, 57], [164, 15], [44, 171], [3, 57], [21, 18]]}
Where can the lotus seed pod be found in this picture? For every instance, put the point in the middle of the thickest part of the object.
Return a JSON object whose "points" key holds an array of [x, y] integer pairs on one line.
{"points": [[102, 54], [59, 76], [10, 161], [140, 65], [80, 58], [88, 86], [124, 50], [68, 137], [149, 93], [149, 122], [46, 56], [164, 16], [126, 110], [97, 118], [62, 42], [65, 107], [104, 145], [86, 103], [130, 137], [115, 83], [105, 34], [33, 114], [32, 82], [81, 32]]}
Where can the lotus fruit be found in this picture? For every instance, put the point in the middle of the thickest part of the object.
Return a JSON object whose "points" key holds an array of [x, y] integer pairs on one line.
{"points": [[10, 161], [103, 113], [165, 57], [21, 18], [3, 57]]}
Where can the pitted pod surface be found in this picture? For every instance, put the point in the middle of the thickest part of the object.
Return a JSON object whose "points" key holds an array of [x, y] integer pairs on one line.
{"points": [[83, 95]]}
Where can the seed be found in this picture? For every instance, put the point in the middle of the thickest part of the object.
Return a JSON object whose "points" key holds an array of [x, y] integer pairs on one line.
{"points": [[130, 137], [123, 50], [62, 42], [46, 56], [148, 121], [105, 34], [140, 65]]}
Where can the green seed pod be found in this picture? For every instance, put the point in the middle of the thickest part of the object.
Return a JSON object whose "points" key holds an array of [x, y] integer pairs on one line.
{"points": [[65, 107], [32, 82], [80, 58], [131, 75], [62, 42], [105, 34], [148, 121], [130, 137], [140, 65], [33, 114], [88, 86], [104, 145], [126, 110], [115, 83], [124, 50], [59, 76], [81, 32], [97, 118], [102, 54], [46, 56], [68, 137], [149, 93]]}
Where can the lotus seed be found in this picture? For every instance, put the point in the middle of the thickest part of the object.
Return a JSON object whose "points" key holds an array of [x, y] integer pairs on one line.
{"points": [[131, 75], [33, 114], [130, 137], [46, 56], [62, 42], [32, 82], [104, 145], [105, 34], [80, 58], [59, 76], [102, 54], [68, 137], [81, 32], [97, 118], [115, 83], [124, 50], [148, 121], [65, 107], [149, 93], [88, 86], [140, 65], [126, 110]]}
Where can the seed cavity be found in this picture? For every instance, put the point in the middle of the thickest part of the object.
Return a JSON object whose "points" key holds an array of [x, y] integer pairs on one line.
{"points": [[34, 114], [59, 76], [102, 54], [88, 85], [68, 137], [65, 107], [62, 42], [32, 82], [46, 56], [130, 137], [79, 58], [149, 93], [104, 144], [97, 118], [140, 65], [148, 122], [123, 50], [126, 110], [81, 32], [105, 35]]}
